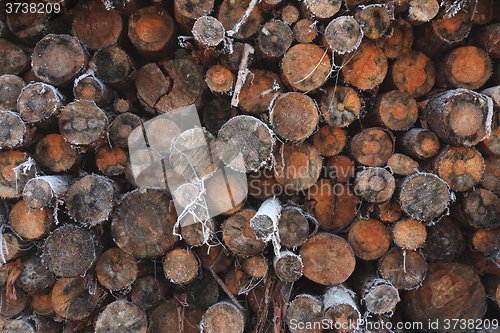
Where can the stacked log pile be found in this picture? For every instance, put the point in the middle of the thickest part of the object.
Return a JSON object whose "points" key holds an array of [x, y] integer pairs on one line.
{"points": [[335, 168]]}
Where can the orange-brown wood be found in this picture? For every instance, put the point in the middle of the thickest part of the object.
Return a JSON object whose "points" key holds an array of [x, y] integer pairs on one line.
{"points": [[449, 291], [399, 39], [459, 117], [55, 154], [333, 205], [414, 73], [305, 31], [219, 79], [239, 236], [152, 32], [97, 26], [13, 176], [72, 300], [404, 269], [366, 68], [180, 266], [372, 147], [329, 140], [466, 67], [328, 259], [294, 116], [461, 168], [402, 165], [297, 167], [419, 143], [115, 269], [340, 106], [30, 223], [395, 110], [370, 239], [305, 67], [409, 234]]}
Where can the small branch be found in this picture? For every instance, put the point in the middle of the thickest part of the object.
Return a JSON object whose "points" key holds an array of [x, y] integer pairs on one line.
{"points": [[263, 314], [242, 74], [222, 284], [243, 19]]}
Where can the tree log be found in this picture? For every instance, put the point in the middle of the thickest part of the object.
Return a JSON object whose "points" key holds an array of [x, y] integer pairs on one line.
{"points": [[369, 239], [15, 174], [424, 196], [70, 251], [461, 168], [143, 224], [404, 269], [223, 317], [414, 73], [13, 59], [294, 116], [297, 167], [399, 40], [59, 59], [374, 185], [82, 123], [409, 234], [305, 31], [327, 259], [30, 224], [449, 291], [10, 89], [274, 39], [72, 299], [419, 143], [239, 236], [366, 68], [445, 241], [333, 205], [305, 67], [54, 153], [465, 67], [90, 200], [147, 292], [395, 110], [372, 147], [40, 104], [121, 316], [105, 25], [343, 34], [152, 31], [115, 269]]}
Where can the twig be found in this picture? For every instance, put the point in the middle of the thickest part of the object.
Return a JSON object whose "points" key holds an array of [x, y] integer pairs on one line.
{"points": [[243, 19], [242, 74], [222, 284], [263, 314]]}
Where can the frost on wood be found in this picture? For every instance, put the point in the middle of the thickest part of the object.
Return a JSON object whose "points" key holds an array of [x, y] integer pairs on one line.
{"points": [[265, 223]]}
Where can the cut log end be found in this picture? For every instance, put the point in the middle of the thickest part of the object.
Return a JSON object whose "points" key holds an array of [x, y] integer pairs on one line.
{"points": [[370, 239], [424, 197]]}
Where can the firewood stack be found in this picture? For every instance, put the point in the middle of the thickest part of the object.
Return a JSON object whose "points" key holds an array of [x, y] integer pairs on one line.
{"points": [[336, 166]]}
